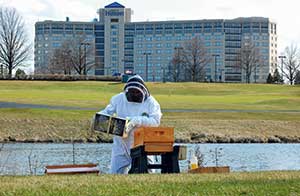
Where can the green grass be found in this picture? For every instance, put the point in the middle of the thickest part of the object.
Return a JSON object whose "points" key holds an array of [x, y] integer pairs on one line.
{"points": [[258, 183], [43, 124], [170, 95]]}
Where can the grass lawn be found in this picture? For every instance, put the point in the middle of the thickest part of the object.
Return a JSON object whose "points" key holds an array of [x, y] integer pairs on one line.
{"points": [[43, 124], [170, 95], [257, 183]]}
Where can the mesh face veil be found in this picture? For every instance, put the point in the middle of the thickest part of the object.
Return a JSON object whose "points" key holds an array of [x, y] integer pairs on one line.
{"points": [[135, 90]]}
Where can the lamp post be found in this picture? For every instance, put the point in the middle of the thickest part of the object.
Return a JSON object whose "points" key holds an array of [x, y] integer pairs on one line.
{"points": [[282, 57], [179, 61], [215, 56], [147, 54], [255, 73], [124, 64], [84, 45], [221, 75], [164, 73], [153, 73]]}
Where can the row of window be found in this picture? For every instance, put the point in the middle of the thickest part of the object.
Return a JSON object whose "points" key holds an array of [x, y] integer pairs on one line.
{"points": [[177, 38], [172, 45], [168, 51], [65, 26], [196, 25], [62, 37], [55, 32], [202, 37], [176, 31]]}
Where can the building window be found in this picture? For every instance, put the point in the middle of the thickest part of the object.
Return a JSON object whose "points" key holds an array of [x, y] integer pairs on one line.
{"points": [[114, 20], [178, 38], [168, 38], [99, 34], [56, 45], [114, 39], [114, 58], [158, 38], [99, 27], [114, 26], [168, 45], [148, 38], [207, 44], [113, 33], [114, 52], [218, 43]]}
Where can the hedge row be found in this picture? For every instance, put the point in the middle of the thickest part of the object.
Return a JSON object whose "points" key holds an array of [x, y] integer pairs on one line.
{"points": [[56, 77]]}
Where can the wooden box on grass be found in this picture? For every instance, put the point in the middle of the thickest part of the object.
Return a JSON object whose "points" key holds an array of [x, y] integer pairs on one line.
{"points": [[155, 139], [72, 169], [224, 169]]}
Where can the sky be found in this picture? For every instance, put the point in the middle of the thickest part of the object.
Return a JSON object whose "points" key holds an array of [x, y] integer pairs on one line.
{"points": [[284, 13]]}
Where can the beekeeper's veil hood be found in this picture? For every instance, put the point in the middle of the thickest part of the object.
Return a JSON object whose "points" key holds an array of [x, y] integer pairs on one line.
{"points": [[136, 90]]}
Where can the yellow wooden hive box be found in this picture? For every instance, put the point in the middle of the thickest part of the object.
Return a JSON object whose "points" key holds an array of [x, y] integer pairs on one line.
{"points": [[155, 139]]}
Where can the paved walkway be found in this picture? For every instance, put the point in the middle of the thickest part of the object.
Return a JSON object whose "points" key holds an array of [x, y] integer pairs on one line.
{"points": [[40, 106]]}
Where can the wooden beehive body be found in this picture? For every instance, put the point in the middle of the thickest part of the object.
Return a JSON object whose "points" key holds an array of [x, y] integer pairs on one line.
{"points": [[155, 139]]}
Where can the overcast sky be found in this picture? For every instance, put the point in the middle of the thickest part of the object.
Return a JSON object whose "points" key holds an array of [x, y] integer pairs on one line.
{"points": [[284, 13]]}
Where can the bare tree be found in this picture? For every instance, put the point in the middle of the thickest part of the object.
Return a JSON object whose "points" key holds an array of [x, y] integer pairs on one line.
{"points": [[249, 58], [14, 45], [76, 55], [60, 61], [175, 64], [82, 55], [291, 63], [195, 59]]}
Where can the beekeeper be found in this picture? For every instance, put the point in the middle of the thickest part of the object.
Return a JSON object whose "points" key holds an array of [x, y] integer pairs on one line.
{"points": [[141, 108]]}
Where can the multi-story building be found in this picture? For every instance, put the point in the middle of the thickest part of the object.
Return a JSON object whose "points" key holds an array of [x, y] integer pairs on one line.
{"points": [[146, 48]]}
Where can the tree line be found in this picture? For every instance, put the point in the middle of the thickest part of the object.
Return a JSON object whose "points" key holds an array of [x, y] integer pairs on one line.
{"points": [[190, 60]]}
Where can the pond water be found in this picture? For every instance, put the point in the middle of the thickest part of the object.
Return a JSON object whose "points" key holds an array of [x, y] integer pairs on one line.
{"points": [[31, 158]]}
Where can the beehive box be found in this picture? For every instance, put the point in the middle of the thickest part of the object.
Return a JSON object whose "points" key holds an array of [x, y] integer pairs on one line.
{"points": [[155, 139]]}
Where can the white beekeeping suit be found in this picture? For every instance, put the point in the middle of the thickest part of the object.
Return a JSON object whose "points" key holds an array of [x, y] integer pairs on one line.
{"points": [[141, 108]]}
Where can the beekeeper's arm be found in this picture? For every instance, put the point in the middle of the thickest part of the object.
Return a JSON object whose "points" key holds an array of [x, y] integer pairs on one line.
{"points": [[110, 109], [151, 119]]}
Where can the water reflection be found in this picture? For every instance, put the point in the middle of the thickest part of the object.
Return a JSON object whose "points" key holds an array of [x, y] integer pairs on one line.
{"points": [[27, 158]]}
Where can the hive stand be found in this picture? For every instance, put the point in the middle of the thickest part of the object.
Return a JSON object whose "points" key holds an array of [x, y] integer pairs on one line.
{"points": [[139, 164]]}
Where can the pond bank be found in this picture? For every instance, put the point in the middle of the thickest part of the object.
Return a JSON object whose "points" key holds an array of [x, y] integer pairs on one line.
{"points": [[194, 138]]}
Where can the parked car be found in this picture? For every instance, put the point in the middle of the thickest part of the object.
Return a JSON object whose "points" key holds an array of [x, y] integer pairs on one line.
{"points": [[116, 74]]}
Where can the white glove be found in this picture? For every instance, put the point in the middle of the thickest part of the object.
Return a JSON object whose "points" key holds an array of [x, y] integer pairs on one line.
{"points": [[134, 122]]}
